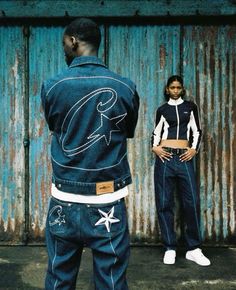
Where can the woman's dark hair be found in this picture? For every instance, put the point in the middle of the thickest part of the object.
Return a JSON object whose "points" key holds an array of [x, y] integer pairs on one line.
{"points": [[86, 30], [171, 80]]}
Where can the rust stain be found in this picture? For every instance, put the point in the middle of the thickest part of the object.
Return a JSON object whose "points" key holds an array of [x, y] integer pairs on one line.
{"points": [[11, 233], [13, 107], [36, 233], [41, 127], [35, 88], [163, 54], [231, 33], [43, 190]]}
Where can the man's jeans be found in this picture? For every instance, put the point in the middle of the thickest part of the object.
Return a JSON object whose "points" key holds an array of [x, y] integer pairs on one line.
{"points": [[166, 176], [103, 228]]}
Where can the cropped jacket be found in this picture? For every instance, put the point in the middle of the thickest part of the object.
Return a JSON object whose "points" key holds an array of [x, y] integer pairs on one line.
{"points": [[178, 119]]}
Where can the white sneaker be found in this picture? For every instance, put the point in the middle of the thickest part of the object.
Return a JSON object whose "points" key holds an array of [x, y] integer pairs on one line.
{"points": [[169, 257], [197, 257]]}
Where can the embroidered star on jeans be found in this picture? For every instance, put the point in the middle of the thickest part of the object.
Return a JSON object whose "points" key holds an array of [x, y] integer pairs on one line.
{"points": [[107, 219]]}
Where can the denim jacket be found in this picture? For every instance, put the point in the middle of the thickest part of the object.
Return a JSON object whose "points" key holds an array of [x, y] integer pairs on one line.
{"points": [[91, 112]]}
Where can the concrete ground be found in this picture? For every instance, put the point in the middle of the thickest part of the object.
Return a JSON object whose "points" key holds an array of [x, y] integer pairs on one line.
{"points": [[24, 268]]}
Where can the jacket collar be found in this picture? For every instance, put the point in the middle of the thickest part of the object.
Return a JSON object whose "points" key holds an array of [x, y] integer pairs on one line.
{"points": [[83, 60], [175, 102]]}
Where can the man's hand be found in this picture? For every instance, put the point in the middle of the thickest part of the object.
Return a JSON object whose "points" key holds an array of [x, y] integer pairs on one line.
{"points": [[188, 155], [161, 153]]}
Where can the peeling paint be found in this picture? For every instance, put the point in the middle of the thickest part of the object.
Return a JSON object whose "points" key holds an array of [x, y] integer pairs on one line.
{"points": [[11, 134], [148, 55], [212, 84]]}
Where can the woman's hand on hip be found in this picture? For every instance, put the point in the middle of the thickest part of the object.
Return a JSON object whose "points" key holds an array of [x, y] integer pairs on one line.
{"points": [[161, 153], [188, 155]]}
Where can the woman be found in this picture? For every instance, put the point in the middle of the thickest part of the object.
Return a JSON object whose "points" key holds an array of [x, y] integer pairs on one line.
{"points": [[176, 140]]}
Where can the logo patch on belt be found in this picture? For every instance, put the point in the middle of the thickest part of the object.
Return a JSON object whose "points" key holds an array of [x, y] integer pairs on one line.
{"points": [[104, 187]]}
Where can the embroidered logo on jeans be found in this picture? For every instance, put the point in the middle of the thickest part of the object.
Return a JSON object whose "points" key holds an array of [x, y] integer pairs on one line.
{"points": [[60, 219], [107, 219]]}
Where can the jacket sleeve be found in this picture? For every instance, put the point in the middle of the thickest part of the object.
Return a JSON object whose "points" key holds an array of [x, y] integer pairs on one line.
{"points": [[132, 117], [156, 134], [196, 128]]}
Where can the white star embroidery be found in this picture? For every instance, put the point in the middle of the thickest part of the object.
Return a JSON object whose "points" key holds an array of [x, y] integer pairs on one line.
{"points": [[106, 122], [107, 219]]}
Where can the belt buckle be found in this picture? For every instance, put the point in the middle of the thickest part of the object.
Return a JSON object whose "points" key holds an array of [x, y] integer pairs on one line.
{"points": [[168, 149]]}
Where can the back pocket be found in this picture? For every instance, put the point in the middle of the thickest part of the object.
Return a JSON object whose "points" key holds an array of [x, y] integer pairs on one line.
{"points": [[108, 219]]}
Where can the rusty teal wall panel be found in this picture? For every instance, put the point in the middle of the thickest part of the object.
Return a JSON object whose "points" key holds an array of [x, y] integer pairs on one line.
{"points": [[147, 55], [46, 59], [209, 64], [11, 134]]}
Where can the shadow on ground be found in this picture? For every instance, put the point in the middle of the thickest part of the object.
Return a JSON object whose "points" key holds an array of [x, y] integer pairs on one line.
{"points": [[24, 268]]}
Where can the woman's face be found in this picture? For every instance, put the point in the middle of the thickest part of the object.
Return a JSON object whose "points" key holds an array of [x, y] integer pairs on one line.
{"points": [[174, 90]]}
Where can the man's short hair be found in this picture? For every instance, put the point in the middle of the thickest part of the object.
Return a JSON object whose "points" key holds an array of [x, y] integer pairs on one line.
{"points": [[85, 30]]}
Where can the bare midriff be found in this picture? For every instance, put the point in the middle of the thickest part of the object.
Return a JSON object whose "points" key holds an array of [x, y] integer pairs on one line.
{"points": [[174, 143]]}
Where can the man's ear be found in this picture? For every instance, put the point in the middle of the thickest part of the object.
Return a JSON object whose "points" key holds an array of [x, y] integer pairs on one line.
{"points": [[75, 43]]}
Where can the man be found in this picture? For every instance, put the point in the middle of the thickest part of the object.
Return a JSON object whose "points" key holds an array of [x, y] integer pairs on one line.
{"points": [[91, 112]]}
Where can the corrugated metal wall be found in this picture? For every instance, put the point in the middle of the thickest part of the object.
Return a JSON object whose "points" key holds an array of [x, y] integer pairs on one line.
{"points": [[209, 64], [148, 54], [12, 133], [46, 59]]}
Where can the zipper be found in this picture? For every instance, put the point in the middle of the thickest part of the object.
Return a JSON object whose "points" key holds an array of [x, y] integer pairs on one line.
{"points": [[177, 115]]}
